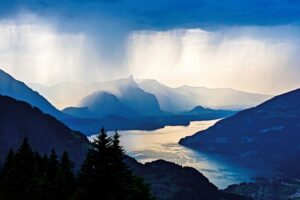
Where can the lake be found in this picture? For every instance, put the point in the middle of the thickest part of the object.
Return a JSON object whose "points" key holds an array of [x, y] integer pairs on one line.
{"points": [[146, 146]]}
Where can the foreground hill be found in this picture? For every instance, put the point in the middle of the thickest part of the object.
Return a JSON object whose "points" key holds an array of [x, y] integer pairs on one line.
{"points": [[19, 120], [268, 133], [169, 181]]}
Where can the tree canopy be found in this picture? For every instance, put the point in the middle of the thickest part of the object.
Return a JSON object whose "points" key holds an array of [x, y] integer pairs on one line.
{"points": [[26, 174]]}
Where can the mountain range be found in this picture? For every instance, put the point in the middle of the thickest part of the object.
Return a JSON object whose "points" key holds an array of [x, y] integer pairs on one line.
{"points": [[128, 103], [170, 99], [187, 97], [266, 134], [116, 105]]}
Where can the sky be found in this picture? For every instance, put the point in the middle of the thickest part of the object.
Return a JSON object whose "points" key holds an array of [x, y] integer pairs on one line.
{"points": [[251, 45]]}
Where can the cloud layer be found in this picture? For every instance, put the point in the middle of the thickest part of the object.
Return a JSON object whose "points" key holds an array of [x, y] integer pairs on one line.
{"points": [[35, 50], [259, 59], [248, 45]]}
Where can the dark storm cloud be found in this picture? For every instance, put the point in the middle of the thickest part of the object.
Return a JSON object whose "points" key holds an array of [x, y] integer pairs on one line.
{"points": [[164, 14]]}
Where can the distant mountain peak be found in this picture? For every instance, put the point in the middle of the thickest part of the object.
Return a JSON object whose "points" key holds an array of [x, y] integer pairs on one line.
{"points": [[197, 108], [124, 83]]}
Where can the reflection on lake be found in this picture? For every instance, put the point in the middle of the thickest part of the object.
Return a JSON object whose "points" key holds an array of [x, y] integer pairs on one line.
{"points": [[147, 146]]}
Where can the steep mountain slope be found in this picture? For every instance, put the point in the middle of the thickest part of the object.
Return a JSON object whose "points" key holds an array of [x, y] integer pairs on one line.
{"points": [[18, 90], [268, 132], [19, 120]]}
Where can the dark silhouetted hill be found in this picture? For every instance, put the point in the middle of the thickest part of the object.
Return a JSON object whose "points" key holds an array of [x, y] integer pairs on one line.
{"points": [[170, 181], [19, 120], [268, 133]]}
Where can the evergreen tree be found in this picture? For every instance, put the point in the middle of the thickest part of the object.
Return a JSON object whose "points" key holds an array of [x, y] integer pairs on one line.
{"points": [[24, 166], [94, 173], [65, 180], [18, 173], [51, 173], [103, 175], [38, 187], [7, 178], [127, 185], [9, 162], [52, 166], [86, 180], [121, 175]]}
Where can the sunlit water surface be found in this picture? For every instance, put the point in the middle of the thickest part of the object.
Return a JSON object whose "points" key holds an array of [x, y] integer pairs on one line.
{"points": [[147, 146]]}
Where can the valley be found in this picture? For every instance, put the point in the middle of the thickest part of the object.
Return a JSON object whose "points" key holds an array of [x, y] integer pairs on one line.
{"points": [[147, 146]]}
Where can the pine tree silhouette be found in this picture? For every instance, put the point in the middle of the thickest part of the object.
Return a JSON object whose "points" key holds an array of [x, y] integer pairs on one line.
{"points": [[103, 175], [7, 177], [94, 173], [65, 180]]}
